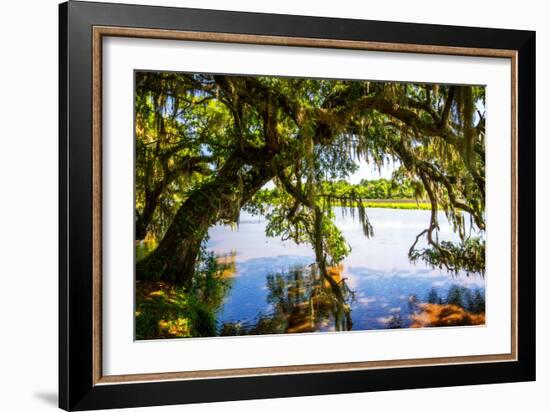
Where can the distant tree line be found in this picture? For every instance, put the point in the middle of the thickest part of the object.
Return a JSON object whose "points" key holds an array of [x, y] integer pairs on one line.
{"points": [[207, 144], [385, 189]]}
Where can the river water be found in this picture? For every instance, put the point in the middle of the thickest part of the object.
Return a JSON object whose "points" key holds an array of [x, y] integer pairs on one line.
{"points": [[272, 282]]}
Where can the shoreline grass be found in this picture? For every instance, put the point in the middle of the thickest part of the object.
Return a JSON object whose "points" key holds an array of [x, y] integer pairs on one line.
{"points": [[396, 204], [404, 204]]}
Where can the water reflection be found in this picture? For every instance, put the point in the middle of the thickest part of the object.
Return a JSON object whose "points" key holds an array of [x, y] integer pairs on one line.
{"points": [[300, 301], [276, 289]]}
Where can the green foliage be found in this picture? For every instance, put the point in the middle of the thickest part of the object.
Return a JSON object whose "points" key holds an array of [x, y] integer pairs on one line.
{"points": [[399, 205], [208, 286], [144, 248], [206, 144], [164, 310], [382, 193], [334, 243], [468, 256]]}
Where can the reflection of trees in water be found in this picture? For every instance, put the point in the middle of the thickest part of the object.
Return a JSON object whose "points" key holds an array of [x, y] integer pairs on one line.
{"points": [[470, 300], [213, 279], [302, 301], [396, 321], [460, 307]]}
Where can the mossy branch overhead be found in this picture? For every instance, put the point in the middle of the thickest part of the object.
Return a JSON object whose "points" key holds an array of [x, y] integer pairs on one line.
{"points": [[207, 144]]}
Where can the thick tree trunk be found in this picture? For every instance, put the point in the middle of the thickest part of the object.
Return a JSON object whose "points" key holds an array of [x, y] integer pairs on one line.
{"points": [[141, 229], [175, 257], [144, 219], [153, 194]]}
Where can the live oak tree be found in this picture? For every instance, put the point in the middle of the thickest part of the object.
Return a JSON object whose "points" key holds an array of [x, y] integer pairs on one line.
{"points": [[206, 145]]}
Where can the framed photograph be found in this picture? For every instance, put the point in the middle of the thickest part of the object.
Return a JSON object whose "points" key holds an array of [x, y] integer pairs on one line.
{"points": [[256, 205]]}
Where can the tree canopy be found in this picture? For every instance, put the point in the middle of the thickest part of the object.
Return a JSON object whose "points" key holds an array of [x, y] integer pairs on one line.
{"points": [[206, 144]]}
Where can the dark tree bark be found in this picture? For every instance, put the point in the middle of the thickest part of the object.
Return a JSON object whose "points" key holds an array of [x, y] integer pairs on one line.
{"points": [[175, 257], [153, 194], [144, 218]]}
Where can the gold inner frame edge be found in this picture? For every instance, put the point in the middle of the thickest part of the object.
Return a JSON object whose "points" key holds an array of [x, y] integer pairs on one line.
{"points": [[101, 31]]}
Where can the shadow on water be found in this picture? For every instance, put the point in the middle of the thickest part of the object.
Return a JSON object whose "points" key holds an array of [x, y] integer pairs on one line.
{"points": [[275, 290], [250, 284], [461, 307], [297, 300], [300, 301]]}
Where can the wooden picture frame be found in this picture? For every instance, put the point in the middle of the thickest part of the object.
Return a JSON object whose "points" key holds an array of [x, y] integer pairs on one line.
{"points": [[83, 26]]}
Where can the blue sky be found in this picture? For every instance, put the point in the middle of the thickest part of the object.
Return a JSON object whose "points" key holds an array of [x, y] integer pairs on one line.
{"points": [[365, 171], [370, 172]]}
